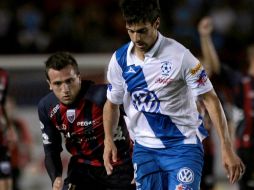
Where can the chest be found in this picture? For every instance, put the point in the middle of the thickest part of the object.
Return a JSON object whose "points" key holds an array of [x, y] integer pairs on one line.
{"points": [[152, 74], [84, 119]]}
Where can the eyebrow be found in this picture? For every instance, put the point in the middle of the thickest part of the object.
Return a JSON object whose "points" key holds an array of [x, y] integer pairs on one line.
{"points": [[139, 30], [63, 81]]}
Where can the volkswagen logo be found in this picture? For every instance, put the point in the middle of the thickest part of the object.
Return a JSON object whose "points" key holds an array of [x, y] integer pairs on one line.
{"points": [[185, 175], [145, 100]]}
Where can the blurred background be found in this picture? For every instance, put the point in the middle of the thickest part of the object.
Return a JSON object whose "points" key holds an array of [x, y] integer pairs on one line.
{"points": [[92, 30]]}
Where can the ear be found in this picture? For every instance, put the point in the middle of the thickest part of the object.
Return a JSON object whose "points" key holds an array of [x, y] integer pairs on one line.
{"points": [[50, 88], [80, 79], [157, 23]]}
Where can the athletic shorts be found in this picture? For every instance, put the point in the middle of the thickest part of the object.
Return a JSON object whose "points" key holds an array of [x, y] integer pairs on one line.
{"points": [[5, 164], [174, 168], [86, 177]]}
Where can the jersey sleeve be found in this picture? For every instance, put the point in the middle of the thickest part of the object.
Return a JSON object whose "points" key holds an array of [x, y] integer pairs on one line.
{"points": [[195, 75], [52, 144], [115, 91], [51, 138]]}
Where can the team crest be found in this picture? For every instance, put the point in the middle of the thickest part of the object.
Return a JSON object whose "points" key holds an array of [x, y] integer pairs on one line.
{"points": [[71, 116], [166, 67]]}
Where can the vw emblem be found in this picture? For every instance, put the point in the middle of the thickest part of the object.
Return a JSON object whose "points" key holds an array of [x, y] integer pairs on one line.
{"points": [[145, 100], [185, 175]]}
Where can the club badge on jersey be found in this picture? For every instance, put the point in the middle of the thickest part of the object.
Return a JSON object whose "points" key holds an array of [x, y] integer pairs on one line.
{"points": [[71, 116]]}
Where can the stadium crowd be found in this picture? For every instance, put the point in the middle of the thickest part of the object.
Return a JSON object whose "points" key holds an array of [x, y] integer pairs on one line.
{"points": [[84, 26]]}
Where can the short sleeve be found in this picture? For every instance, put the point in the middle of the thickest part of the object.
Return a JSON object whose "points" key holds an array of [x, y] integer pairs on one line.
{"points": [[115, 91], [195, 75]]}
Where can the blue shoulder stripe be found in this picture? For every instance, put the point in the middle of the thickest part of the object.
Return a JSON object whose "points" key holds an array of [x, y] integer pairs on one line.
{"points": [[121, 55]]}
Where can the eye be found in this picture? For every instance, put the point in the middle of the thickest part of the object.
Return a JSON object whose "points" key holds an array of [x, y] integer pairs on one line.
{"points": [[130, 31], [57, 83], [142, 31], [70, 81]]}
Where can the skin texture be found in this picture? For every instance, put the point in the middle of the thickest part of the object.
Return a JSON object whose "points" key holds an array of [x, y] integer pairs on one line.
{"points": [[209, 55], [58, 183], [231, 162], [143, 35], [65, 84]]}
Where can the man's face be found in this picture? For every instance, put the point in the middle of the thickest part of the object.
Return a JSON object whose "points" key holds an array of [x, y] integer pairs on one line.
{"points": [[143, 35], [65, 84]]}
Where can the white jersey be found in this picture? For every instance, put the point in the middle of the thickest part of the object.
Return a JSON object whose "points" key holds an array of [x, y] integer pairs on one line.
{"points": [[158, 93]]}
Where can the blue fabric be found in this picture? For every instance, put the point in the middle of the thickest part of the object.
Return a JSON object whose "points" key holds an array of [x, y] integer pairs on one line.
{"points": [[178, 167]]}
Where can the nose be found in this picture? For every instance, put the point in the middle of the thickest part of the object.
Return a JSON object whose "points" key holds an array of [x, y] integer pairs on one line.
{"points": [[65, 87], [136, 37]]}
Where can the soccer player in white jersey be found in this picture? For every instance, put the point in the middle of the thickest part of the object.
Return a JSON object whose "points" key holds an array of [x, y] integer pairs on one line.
{"points": [[156, 79]]}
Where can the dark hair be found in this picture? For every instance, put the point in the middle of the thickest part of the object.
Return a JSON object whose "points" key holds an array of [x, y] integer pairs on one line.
{"points": [[135, 11], [60, 60]]}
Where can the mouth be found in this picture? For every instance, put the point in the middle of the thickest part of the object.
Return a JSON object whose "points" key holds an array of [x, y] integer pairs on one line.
{"points": [[67, 97], [140, 46]]}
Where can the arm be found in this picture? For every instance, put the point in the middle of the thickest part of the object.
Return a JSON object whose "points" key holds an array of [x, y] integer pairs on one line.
{"points": [[110, 120], [231, 161], [11, 135], [54, 168], [52, 144], [210, 57]]}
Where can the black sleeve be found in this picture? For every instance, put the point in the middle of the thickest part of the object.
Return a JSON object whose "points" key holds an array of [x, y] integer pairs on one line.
{"points": [[52, 143], [53, 164]]}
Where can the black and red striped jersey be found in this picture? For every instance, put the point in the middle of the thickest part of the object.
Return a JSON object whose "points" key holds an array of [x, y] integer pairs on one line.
{"points": [[3, 92], [81, 125]]}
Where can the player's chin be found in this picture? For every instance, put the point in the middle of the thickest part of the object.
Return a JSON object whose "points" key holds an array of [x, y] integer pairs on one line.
{"points": [[66, 101], [141, 47]]}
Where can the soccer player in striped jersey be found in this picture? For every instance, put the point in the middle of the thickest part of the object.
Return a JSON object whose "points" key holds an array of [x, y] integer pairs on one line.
{"points": [[5, 165], [74, 109]]}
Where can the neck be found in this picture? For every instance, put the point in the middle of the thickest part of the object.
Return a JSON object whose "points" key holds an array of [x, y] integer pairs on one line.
{"points": [[139, 54]]}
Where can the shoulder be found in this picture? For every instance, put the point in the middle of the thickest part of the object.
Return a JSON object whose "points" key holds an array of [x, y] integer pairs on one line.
{"points": [[173, 45], [121, 52], [123, 48], [48, 101], [96, 93]]}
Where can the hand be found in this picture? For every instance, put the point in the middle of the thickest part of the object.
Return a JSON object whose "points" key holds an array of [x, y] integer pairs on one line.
{"points": [[233, 165], [205, 26], [110, 154], [58, 184], [133, 181]]}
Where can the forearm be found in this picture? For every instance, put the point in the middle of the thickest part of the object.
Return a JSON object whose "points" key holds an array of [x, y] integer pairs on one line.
{"points": [[110, 119], [53, 165], [209, 54], [218, 118]]}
